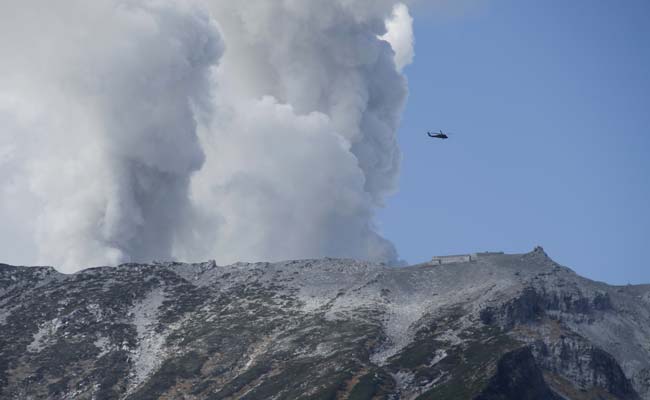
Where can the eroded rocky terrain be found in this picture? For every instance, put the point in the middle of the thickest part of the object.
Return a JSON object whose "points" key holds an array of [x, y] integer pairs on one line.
{"points": [[499, 327]]}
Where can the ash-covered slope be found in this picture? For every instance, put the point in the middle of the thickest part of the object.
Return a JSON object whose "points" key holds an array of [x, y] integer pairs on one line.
{"points": [[498, 327]]}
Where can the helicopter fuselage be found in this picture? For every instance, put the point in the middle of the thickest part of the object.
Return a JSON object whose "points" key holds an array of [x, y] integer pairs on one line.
{"points": [[438, 135]]}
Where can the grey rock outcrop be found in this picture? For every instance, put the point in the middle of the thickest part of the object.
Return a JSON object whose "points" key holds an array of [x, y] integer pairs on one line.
{"points": [[497, 327]]}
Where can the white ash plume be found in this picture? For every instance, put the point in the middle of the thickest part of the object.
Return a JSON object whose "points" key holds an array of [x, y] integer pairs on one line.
{"points": [[133, 130]]}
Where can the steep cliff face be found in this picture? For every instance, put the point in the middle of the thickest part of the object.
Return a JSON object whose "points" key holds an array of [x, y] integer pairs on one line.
{"points": [[499, 327]]}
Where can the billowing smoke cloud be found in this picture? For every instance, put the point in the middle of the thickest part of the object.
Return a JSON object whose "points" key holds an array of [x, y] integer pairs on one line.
{"points": [[99, 98], [400, 35], [159, 129]]}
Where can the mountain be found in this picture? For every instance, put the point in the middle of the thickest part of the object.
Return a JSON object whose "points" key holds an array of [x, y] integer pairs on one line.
{"points": [[486, 327]]}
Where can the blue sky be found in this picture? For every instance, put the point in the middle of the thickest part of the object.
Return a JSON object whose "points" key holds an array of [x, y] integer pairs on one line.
{"points": [[549, 106]]}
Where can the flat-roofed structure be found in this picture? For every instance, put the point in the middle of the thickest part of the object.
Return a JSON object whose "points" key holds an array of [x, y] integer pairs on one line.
{"points": [[461, 258]]}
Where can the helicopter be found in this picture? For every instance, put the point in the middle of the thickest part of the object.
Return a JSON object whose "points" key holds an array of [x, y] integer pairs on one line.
{"points": [[440, 135]]}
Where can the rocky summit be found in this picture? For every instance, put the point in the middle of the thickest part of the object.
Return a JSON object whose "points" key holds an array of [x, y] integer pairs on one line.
{"points": [[492, 326]]}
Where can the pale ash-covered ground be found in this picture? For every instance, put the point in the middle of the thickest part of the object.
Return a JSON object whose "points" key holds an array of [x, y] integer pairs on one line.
{"points": [[324, 329]]}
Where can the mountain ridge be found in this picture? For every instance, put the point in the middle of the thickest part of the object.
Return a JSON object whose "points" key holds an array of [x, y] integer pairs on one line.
{"points": [[501, 326]]}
